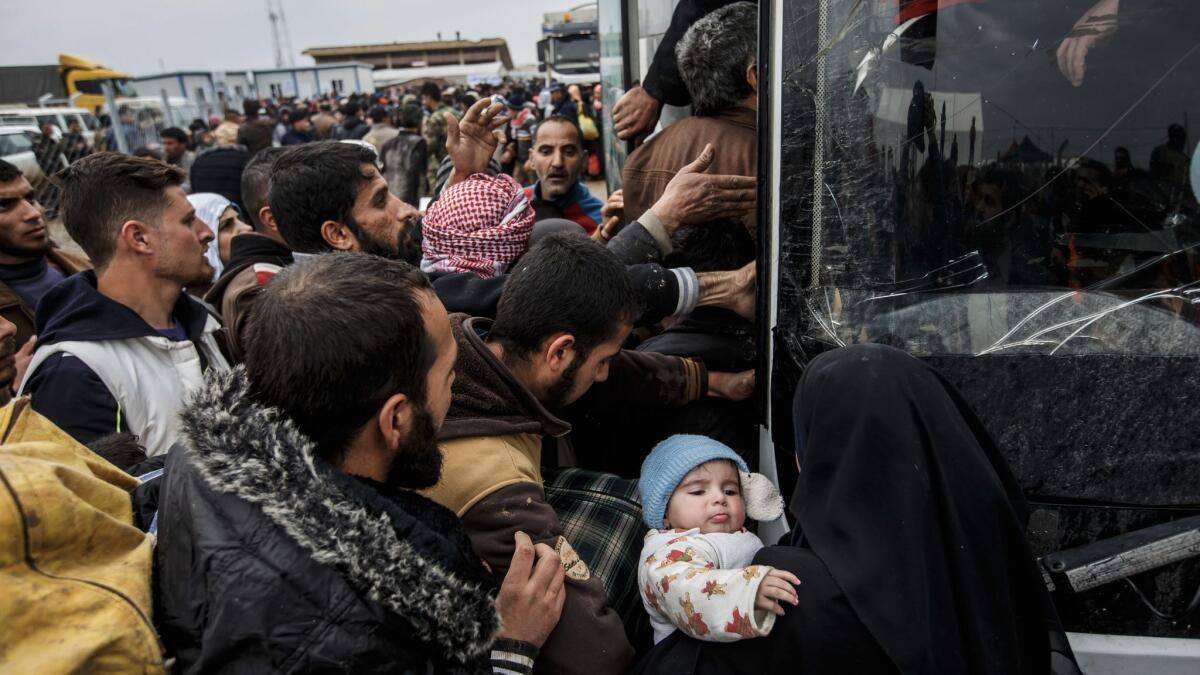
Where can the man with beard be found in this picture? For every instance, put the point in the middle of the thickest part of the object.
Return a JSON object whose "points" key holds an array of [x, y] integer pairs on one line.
{"points": [[121, 348], [290, 535], [30, 264], [566, 309], [330, 196]]}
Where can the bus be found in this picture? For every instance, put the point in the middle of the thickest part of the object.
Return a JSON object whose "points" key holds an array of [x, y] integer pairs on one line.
{"points": [[1007, 191]]}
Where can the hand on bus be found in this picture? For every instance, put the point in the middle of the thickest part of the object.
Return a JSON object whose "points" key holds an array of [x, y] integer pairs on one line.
{"points": [[470, 142], [1093, 28], [735, 290], [731, 386], [635, 114], [693, 196]]}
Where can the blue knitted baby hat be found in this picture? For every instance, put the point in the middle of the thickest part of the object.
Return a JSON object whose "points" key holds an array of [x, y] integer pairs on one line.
{"points": [[669, 462]]}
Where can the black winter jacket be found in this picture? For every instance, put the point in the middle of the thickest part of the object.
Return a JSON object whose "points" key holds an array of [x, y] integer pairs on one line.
{"points": [[271, 561], [352, 129]]}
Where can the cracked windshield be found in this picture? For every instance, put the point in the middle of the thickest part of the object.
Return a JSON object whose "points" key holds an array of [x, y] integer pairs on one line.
{"points": [[971, 182]]}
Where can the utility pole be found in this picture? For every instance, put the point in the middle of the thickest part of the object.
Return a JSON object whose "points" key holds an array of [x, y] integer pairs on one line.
{"points": [[275, 34], [281, 37], [287, 35]]}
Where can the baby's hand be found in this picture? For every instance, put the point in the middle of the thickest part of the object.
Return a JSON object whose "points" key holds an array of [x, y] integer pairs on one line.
{"points": [[777, 586]]}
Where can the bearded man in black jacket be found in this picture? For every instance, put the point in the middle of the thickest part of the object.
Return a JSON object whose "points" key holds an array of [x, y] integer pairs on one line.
{"points": [[290, 535]]}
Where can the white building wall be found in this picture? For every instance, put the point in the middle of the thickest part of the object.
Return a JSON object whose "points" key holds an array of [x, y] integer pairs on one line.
{"points": [[311, 81], [154, 86], [338, 76], [271, 84], [308, 83], [238, 86], [199, 88]]}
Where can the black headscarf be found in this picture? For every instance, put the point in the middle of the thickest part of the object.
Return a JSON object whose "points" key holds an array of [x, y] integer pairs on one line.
{"points": [[911, 507]]}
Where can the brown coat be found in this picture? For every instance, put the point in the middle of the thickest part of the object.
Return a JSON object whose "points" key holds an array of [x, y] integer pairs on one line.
{"points": [[649, 168], [492, 479], [22, 316]]}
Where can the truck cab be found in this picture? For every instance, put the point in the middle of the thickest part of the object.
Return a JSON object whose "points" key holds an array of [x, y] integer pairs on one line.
{"points": [[84, 81], [569, 51]]}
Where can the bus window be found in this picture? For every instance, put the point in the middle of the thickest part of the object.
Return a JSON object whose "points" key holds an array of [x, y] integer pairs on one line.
{"points": [[1001, 188], [993, 178]]}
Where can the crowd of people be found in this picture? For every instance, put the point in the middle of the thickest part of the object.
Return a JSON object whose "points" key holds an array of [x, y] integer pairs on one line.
{"points": [[307, 423]]}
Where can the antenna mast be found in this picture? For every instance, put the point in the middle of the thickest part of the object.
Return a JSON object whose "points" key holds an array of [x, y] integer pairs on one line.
{"points": [[287, 35], [275, 34], [281, 37]]}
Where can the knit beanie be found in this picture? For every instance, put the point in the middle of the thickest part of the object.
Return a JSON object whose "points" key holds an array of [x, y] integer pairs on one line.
{"points": [[672, 459], [479, 225]]}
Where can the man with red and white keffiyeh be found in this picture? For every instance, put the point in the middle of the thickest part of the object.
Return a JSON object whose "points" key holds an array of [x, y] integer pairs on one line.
{"points": [[479, 225]]}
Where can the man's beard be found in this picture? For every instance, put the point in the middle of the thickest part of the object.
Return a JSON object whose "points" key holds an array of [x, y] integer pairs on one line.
{"points": [[401, 249], [556, 397], [418, 464]]}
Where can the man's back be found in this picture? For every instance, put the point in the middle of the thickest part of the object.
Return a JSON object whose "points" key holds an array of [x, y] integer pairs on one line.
{"points": [[649, 168], [256, 134], [323, 124], [220, 170], [379, 134], [404, 161]]}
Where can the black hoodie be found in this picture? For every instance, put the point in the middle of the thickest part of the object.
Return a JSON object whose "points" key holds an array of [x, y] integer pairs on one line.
{"points": [[63, 388]]}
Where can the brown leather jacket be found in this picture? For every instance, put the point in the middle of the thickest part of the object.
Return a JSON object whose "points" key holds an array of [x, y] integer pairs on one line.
{"points": [[649, 168], [17, 312]]}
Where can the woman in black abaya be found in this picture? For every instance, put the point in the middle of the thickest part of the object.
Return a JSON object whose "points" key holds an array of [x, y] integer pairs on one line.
{"points": [[909, 541]]}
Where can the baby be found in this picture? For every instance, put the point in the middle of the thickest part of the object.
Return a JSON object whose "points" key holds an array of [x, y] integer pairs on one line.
{"points": [[695, 574]]}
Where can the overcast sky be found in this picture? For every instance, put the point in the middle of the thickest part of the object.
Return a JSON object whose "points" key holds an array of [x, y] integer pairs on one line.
{"points": [[133, 35]]}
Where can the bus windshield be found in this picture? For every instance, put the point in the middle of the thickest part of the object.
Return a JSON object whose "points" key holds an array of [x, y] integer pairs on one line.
{"points": [[984, 177]]}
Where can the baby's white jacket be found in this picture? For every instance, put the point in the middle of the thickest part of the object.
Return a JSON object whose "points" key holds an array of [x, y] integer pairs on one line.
{"points": [[703, 584]]}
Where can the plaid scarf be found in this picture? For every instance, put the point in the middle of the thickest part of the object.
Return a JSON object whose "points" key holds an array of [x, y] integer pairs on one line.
{"points": [[479, 225]]}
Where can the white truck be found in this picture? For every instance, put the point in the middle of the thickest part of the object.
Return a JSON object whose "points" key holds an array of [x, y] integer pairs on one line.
{"points": [[569, 51]]}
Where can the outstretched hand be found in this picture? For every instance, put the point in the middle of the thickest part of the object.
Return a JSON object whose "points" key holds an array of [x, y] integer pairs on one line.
{"points": [[694, 196], [471, 141]]}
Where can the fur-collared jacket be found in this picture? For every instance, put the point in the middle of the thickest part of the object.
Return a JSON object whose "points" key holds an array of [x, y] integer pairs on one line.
{"points": [[271, 561]]}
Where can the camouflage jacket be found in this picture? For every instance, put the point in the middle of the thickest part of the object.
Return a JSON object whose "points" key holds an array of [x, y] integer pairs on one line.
{"points": [[435, 132]]}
